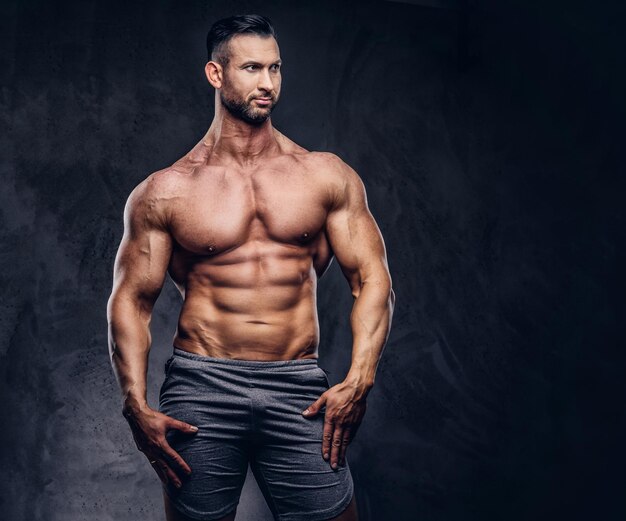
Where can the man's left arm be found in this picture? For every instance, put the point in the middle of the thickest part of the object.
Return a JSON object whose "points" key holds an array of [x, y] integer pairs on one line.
{"points": [[359, 248]]}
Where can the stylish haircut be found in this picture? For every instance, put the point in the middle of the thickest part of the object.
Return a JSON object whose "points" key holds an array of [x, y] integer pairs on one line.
{"points": [[223, 30]]}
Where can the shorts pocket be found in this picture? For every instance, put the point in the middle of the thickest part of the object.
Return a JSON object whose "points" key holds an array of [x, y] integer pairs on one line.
{"points": [[324, 376], [168, 366], [167, 370]]}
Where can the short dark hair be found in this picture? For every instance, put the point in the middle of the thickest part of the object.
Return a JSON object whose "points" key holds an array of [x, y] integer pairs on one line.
{"points": [[223, 30]]}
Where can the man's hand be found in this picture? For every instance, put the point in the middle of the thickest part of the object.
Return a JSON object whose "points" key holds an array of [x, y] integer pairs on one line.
{"points": [[345, 408], [149, 428]]}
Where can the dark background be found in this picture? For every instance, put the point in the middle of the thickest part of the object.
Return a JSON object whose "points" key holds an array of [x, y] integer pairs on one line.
{"points": [[489, 136]]}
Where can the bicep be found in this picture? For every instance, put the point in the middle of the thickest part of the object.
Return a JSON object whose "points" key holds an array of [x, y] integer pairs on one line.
{"points": [[354, 235], [144, 252]]}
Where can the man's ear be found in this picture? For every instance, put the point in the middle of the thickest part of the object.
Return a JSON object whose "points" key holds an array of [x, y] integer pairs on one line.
{"points": [[214, 73]]}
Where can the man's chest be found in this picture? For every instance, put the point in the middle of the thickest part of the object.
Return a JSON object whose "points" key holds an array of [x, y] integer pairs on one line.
{"points": [[222, 209]]}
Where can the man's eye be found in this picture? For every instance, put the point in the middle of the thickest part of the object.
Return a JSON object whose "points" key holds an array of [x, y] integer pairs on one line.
{"points": [[250, 67]]}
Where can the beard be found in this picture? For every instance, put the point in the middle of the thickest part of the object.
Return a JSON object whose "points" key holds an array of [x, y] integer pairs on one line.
{"points": [[244, 110]]}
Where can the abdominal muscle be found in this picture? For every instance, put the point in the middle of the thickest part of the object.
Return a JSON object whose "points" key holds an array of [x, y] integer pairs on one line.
{"points": [[251, 307]]}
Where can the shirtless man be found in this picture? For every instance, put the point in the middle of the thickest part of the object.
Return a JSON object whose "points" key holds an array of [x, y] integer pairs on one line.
{"points": [[245, 224]]}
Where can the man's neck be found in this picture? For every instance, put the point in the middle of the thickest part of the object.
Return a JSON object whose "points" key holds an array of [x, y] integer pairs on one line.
{"points": [[233, 140]]}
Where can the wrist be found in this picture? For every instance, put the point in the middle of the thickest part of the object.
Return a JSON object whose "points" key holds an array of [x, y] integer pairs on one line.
{"points": [[133, 406], [360, 383]]}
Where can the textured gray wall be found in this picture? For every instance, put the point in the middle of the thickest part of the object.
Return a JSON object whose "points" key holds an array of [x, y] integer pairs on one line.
{"points": [[487, 138]]}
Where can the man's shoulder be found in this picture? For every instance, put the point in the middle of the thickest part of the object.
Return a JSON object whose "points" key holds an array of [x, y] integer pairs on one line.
{"points": [[339, 174], [158, 185], [318, 161], [331, 165], [343, 184], [150, 197]]}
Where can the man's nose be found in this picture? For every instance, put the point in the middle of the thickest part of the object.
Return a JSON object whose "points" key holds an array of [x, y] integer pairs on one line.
{"points": [[265, 81]]}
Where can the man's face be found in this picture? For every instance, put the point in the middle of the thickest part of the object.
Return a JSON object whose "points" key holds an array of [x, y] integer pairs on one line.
{"points": [[251, 82]]}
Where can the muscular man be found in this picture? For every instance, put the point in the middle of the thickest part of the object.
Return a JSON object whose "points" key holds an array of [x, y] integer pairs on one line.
{"points": [[245, 224]]}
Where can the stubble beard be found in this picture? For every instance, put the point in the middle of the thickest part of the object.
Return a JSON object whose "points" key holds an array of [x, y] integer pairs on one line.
{"points": [[244, 110]]}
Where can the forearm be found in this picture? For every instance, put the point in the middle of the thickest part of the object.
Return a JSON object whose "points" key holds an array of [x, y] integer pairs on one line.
{"points": [[370, 321], [129, 346]]}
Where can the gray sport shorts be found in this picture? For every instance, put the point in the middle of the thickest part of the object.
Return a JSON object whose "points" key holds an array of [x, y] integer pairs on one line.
{"points": [[250, 412]]}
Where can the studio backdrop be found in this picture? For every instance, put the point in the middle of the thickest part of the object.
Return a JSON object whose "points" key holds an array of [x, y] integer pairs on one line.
{"points": [[486, 134]]}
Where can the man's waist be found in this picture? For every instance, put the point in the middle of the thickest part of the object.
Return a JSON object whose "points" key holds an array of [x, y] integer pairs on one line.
{"points": [[270, 344]]}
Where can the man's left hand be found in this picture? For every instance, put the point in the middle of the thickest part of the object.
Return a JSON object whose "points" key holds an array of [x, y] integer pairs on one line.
{"points": [[345, 408]]}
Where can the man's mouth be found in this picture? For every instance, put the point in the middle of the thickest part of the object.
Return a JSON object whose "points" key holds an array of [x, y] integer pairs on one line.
{"points": [[263, 101]]}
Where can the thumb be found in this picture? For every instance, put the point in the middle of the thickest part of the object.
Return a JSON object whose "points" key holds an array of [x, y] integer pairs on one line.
{"points": [[182, 426], [315, 407]]}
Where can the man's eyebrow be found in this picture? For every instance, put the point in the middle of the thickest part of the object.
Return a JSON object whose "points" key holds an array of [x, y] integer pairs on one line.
{"points": [[252, 62]]}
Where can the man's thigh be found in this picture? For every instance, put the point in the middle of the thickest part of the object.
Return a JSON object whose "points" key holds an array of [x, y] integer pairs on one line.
{"points": [[349, 514], [171, 514], [286, 458], [194, 392]]}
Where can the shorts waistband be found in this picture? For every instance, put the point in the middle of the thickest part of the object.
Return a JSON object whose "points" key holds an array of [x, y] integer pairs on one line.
{"points": [[252, 364]]}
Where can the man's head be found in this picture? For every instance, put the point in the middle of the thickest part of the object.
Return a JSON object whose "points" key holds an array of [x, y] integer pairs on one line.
{"points": [[244, 66]]}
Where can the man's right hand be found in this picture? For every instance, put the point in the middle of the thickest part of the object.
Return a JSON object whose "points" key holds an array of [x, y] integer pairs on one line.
{"points": [[149, 428]]}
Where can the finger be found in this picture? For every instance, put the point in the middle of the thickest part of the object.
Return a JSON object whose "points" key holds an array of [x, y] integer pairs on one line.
{"points": [[336, 446], [327, 438], [175, 457], [345, 441], [315, 407], [157, 468], [171, 475], [182, 426]]}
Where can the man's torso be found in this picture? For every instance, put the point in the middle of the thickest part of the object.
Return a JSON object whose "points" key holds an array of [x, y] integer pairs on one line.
{"points": [[248, 247]]}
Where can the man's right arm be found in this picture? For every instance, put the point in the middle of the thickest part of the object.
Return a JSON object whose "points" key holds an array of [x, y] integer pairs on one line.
{"points": [[138, 277], [139, 273]]}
